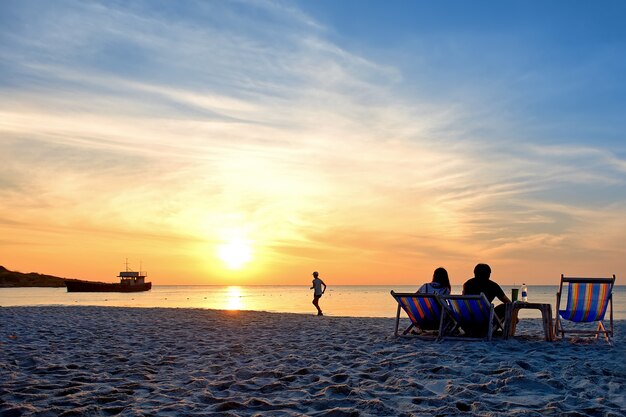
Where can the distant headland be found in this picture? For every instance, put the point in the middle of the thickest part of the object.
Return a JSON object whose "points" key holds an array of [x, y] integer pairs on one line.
{"points": [[9, 279]]}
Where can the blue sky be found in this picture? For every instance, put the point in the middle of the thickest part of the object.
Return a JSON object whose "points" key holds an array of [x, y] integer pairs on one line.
{"points": [[549, 63], [354, 136]]}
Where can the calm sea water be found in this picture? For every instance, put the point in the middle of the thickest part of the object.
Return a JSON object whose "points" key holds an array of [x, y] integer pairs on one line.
{"points": [[354, 301]]}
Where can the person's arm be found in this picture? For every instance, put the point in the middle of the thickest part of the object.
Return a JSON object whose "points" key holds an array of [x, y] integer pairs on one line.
{"points": [[502, 296], [504, 299], [324, 290]]}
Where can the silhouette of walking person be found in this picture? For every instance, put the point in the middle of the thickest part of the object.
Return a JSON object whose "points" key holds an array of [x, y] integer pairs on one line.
{"points": [[317, 291]]}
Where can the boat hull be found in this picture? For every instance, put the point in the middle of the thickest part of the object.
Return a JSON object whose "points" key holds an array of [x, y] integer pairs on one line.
{"points": [[82, 286]]}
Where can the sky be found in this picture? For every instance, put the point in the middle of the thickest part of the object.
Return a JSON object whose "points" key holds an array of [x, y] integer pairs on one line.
{"points": [[253, 142]]}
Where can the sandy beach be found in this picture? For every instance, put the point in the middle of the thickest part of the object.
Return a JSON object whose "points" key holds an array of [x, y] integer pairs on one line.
{"points": [[101, 361]]}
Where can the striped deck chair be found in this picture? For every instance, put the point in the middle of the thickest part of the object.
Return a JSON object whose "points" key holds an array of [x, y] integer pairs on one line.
{"points": [[424, 311], [587, 302], [473, 314]]}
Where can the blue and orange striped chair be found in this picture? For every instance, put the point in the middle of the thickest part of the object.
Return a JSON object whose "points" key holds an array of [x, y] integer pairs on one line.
{"points": [[474, 317], [587, 302], [424, 311]]}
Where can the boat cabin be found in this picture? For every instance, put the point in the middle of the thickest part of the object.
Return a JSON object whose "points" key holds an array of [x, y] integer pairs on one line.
{"points": [[131, 278]]}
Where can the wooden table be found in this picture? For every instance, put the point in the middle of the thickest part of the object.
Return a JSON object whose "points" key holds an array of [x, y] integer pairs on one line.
{"points": [[512, 310]]}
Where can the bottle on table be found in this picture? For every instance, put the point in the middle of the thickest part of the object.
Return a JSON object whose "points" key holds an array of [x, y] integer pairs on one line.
{"points": [[524, 292]]}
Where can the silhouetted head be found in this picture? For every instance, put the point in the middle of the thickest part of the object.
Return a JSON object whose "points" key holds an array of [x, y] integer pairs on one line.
{"points": [[315, 274], [440, 276], [482, 271]]}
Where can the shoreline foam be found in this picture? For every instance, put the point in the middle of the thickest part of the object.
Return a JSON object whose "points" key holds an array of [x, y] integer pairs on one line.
{"points": [[193, 362]]}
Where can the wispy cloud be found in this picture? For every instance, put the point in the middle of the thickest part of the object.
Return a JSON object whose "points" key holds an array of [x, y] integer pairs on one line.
{"points": [[130, 119]]}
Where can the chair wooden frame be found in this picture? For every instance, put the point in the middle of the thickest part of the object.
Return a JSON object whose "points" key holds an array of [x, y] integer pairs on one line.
{"points": [[414, 311], [601, 328], [451, 316]]}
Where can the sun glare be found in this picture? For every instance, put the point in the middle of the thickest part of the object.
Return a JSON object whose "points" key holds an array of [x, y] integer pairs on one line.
{"points": [[235, 253]]}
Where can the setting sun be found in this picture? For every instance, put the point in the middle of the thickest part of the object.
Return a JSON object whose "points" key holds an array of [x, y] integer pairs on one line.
{"points": [[453, 142], [235, 253]]}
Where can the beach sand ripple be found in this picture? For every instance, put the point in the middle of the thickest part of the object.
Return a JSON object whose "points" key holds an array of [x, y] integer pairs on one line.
{"points": [[99, 361]]}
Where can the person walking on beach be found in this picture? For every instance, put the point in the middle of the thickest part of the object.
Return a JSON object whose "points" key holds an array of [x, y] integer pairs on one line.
{"points": [[317, 291], [482, 284], [440, 285]]}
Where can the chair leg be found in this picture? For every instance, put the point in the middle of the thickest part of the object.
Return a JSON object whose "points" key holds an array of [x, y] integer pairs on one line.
{"points": [[558, 328], [408, 329], [441, 324], [602, 329], [397, 321], [611, 314], [448, 325]]}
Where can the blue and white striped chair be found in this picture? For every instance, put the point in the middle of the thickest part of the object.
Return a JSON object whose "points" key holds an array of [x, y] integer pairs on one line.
{"points": [[471, 317]]}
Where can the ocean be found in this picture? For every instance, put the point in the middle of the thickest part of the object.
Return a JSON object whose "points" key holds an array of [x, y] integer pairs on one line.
{"points": [[340, 300]]}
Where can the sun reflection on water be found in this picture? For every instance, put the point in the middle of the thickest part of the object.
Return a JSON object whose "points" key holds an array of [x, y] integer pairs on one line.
{"points": [[234, 298]]}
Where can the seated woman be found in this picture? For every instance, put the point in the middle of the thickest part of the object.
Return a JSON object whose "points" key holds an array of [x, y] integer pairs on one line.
{"points": [[440, 284]]}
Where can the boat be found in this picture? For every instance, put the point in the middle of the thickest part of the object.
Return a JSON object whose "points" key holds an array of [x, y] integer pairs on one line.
{"points": [[130, 281]]}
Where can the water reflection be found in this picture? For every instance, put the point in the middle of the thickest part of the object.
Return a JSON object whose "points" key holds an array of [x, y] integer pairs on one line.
{"points": [[233, 298]]}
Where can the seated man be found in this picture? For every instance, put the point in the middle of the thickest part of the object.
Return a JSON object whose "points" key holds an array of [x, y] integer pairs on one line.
{"points": [[482, 284]]}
